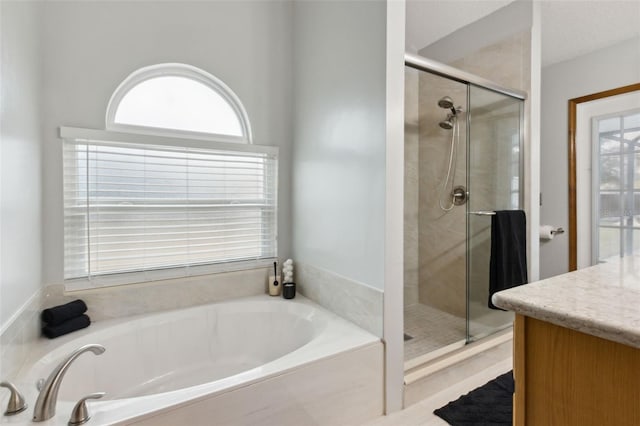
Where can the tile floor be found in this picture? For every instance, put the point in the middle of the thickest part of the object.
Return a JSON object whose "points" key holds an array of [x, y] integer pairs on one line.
{"points": [[430, 329], [421, 413]]}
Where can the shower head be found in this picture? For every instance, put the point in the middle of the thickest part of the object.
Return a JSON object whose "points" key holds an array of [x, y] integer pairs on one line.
{"points": [[447, 123], [446, 103]]}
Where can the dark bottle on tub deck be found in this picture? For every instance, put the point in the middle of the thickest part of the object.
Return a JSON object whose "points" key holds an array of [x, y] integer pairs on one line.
{"points": [[289, 290]]}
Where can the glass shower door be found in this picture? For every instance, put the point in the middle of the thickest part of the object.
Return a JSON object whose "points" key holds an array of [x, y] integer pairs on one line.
{"points": [[494, 182]]}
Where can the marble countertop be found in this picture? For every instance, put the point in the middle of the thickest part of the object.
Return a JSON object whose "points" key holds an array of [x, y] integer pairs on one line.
{"points": [[602, 300]]}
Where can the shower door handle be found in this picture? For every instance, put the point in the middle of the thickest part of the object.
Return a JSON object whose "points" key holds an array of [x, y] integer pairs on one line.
{"points": [[484, 213]]}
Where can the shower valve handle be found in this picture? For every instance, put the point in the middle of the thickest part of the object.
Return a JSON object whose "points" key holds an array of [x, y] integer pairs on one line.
{"points": [[459, 195]]}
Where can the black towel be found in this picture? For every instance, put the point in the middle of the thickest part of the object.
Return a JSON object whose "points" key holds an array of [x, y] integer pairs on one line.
{"points": [[59, 314], [508, 265], [77, 323]]}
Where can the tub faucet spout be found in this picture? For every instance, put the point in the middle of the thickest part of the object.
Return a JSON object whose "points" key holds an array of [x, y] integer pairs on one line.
{"points": [[45, 407]]}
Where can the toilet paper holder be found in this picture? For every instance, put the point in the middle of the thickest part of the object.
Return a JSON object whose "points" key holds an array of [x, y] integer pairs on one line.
{"points": [[547, 232]]}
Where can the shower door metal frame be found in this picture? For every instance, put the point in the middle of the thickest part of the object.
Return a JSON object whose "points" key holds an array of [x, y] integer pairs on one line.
{"points": [[437, 68], [447, 71], [521, 199]]}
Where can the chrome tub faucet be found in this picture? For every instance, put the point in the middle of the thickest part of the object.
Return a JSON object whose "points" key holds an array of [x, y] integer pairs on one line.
{"points": [[45, 407]]}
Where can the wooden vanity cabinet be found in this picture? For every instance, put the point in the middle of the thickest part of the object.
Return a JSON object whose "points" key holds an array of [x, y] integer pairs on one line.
{"points": [[565, 377]]}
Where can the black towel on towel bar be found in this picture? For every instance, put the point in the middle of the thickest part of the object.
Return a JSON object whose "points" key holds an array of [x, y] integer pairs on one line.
{"points": [[508, 265]]}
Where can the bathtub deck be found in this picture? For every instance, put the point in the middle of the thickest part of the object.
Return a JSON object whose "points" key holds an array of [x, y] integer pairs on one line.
{"points": [[323, 370]]}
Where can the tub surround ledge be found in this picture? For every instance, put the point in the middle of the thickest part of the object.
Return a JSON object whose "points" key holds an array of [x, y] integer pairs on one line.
{"points": [[18, 336], [601, 300], [135, 299], [352, 300]]}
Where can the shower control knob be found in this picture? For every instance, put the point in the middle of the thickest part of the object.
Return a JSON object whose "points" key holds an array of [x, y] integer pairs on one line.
{"points": [[459, 195], [80, 413]]}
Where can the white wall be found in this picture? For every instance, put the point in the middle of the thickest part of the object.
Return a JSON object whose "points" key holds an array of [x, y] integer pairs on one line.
{"points": [[339, 133], [90, 47], [489, 30], [21, 145], [604, 69]]}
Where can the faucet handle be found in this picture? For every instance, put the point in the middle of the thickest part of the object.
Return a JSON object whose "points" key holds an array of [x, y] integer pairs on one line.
{"points": [[16, 400], [80, 413]]}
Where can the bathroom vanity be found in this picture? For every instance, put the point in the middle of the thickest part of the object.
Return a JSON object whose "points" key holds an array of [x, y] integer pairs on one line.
{"points": [[577, 346]]}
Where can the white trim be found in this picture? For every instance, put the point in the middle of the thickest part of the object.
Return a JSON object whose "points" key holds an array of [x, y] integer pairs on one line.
{"points": [[78, 133], [422, 360], [2, 105], [111, 280], [32, 302], [393, 319], [531, 152], [156, 131], [178, 70], [459, 355], [595, 189], [584, 161], [595, 173]]}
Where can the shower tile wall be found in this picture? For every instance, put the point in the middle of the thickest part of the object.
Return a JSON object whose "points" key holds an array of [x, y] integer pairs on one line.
{"points": [[441, 234], [507, 62]]}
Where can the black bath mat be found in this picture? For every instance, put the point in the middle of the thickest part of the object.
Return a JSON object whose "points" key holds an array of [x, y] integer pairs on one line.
{"points": [[490, 404]]}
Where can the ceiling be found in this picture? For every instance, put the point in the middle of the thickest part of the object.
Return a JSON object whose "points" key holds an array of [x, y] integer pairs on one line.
{"points": [[570, 28]]}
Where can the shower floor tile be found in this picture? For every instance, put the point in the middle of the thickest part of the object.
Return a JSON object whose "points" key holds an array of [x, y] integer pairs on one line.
{"points": [[430, 329]]}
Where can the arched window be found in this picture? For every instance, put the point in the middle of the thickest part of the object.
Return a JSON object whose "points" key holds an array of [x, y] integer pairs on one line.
{"points": [[178, 100], [172, 188]]}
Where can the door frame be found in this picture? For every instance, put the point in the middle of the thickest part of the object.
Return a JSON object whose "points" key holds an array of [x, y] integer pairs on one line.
{"points": [[573, 106]]}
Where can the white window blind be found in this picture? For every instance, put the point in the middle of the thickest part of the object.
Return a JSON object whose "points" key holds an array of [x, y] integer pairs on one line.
{"points": [[165, 211]]}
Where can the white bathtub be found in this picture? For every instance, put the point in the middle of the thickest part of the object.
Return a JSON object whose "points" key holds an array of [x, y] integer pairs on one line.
{"points": [[248, 361]]}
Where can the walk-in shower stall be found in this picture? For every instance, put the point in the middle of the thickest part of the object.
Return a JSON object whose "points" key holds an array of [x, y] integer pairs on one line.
{"points": [[463, 161]]}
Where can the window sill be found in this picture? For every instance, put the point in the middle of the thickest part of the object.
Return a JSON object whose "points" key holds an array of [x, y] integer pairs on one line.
{"points": [[161, 276]]}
